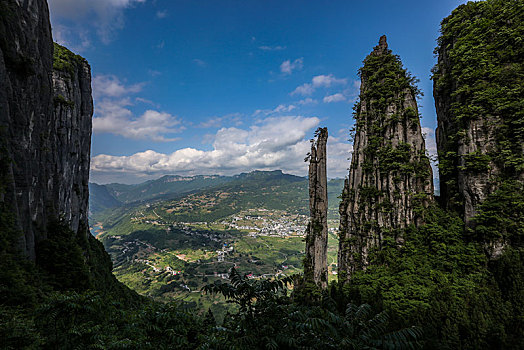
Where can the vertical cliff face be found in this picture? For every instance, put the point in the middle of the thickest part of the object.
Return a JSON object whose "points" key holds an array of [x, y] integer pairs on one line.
{"points": [[73, 107], [45, 124], [390, 178], [478, 89], [315, 266]]}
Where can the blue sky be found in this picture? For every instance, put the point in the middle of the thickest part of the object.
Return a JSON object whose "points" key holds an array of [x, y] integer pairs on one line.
{"points": [[222, 87]]}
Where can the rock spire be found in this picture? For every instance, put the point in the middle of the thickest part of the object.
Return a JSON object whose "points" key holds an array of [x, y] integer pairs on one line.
{"points": [[390, 177], [315, 266]]}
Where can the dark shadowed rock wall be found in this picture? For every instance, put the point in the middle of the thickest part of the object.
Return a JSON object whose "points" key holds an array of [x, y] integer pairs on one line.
{"points": [[45, 124], [390, 178]]}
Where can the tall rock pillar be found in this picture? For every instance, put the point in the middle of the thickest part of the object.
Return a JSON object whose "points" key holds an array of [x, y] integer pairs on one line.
{"points": [[315, 265], [390, 179]]}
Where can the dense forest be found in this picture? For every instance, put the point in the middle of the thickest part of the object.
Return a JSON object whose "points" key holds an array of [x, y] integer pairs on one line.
{"points": [[452, 276]]}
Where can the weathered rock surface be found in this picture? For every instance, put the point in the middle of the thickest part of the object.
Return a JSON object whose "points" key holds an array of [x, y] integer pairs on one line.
{"points": [[390, 178], [44, 139], [73, 107], [315, 265]]}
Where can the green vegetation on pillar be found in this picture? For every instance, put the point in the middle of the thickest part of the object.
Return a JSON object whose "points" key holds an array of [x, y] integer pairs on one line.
{"points": [[478, 89], [390, 179]]}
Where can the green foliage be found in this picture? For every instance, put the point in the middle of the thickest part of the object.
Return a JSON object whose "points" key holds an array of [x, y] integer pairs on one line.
{"points": [[479, 75], [386, 79], [501, 216], [65, 61], [441, 282], [246, 292], [61, 257], [269, 320]]}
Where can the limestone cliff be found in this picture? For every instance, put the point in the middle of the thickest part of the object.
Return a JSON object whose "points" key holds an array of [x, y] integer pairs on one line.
{"points": [[390, 177], [73, 107], [478, 89], [315, 265], [45, 124]]}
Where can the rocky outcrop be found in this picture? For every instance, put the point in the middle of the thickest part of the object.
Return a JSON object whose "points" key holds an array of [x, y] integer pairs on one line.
{"points": [[45, 124], [315, 263], [478, 98], [390, 179]]}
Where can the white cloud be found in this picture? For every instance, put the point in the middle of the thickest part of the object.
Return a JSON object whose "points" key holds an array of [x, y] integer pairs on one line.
{"points": [[115, 117], [275, 143], [287, 67], [307, 101], [270, 48], [113, 113], [304, 89], [111, 86], [338, 97], [327, 80], [281, 108], [106, 16], [318, 81]]}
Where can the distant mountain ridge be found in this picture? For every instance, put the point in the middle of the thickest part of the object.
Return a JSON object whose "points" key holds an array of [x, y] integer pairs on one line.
{"points": [[254, 187], [166, 185]]}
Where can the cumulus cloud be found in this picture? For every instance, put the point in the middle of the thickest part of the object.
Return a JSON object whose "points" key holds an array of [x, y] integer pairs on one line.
{"points": [[288, 66], [318, 81], [114, 116], [104, 15], [111, 86], [113, 112], [275, 143], [338, 97]]}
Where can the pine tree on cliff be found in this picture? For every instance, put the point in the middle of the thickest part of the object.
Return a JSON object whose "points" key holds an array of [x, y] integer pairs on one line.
{"points": [[315, 263], [390, 178]]}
